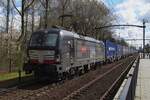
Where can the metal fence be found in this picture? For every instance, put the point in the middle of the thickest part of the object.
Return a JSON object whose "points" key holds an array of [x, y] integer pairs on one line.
{"points": [[128, 91]]}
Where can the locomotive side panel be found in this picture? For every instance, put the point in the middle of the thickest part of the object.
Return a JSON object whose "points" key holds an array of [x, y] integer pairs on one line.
{"points": [[84, 52]]}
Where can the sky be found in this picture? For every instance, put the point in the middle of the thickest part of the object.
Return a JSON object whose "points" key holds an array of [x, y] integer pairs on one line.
{"points": [[131, 12]]}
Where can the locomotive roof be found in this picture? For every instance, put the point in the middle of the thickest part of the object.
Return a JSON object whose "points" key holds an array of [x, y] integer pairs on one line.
{"points": [[69, 33], [75, 35], [50, 29]]}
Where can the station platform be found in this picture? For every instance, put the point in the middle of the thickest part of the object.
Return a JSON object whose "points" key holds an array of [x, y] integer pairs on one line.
{"points": [[143, 81]]}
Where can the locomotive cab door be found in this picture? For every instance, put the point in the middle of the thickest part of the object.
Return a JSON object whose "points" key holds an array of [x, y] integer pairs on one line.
{"points": [[67, 53], [71, 51]]}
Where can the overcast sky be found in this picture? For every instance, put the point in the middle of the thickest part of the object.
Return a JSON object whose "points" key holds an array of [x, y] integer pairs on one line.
{"points": [[131, 12]]}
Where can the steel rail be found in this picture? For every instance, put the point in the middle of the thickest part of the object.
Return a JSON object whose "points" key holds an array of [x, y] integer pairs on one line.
{"points": [[110, 93], [76, 94]]}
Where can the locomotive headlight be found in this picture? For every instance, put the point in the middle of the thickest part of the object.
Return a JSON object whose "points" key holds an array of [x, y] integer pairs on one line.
{"points": [[58, 58]]}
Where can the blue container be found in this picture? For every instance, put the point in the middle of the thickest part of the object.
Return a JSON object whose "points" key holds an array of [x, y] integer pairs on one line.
{"points": [[111, 50], [119, 51]]}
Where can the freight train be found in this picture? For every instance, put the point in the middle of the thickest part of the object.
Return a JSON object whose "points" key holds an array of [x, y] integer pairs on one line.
{"points": [[58, 53]]}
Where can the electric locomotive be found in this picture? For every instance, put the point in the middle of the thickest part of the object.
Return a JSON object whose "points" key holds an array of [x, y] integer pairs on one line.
{"points": [[58, 53]]}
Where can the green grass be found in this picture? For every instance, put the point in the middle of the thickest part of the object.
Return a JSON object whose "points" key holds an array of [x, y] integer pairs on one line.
{"points": [[12, 75]]}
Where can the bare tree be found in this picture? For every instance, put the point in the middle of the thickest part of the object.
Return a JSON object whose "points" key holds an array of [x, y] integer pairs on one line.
{"points": [[63, 4], [45, 4], [7, 18], [24, 8], [32, 26]]}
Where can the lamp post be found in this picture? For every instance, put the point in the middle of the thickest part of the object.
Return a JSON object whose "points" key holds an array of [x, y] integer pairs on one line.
{"points": [[144, 38]]}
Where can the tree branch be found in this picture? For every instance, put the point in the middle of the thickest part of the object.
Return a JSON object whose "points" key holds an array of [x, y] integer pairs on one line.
{"points": [[16, 8], [43, 4], [65, 3], [28, 5]]}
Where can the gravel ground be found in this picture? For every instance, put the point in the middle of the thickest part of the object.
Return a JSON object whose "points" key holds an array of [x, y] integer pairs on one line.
{"points": [[57, 92]]}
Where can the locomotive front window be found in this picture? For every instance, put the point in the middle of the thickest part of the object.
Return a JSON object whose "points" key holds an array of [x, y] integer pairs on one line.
{"points": [[50, 39], [41, 39]]}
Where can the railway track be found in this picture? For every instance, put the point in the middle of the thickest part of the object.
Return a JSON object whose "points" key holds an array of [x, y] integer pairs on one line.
{"points": [[27, 90], [28, 84], [96, 89], [59, 91], [110, 93], [13, 84], [6, 90]]}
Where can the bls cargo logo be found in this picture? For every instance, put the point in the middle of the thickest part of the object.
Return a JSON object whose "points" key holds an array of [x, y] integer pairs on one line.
{"points": [[111, 49]]}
